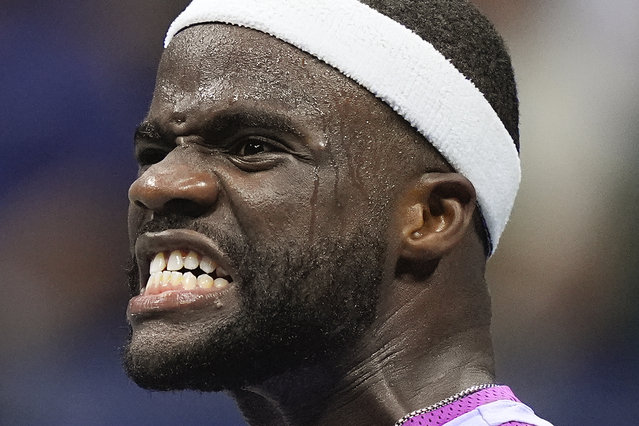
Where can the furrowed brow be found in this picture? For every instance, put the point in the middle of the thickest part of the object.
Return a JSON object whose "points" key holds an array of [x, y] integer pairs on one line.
{"points": [[231, 120]]}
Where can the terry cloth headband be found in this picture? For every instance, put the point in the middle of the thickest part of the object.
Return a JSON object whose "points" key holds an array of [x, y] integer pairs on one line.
{"points": [[401, 69]]}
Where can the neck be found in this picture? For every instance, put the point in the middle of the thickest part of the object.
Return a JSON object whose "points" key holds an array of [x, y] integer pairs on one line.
{"points": [[430, 340], [395, 379]]}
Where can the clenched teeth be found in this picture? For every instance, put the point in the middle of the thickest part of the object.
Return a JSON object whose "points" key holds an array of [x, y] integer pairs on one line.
{"points": [[167, 280], [175, 262], [178, 269], [205, 281], [207, 265], [158, 263], [189, 281], [192, 260]]}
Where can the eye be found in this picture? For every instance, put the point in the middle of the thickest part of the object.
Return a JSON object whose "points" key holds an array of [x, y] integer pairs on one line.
{"points": [[255, 145]]}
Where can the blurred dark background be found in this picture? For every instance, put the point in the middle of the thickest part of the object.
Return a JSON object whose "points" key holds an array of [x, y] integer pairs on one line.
{"points": [[77, 77]]}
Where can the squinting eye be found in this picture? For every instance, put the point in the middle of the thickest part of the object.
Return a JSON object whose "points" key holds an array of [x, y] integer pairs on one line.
{"points": [[254, 146]]}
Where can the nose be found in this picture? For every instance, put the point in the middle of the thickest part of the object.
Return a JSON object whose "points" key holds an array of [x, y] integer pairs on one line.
{"points": [[175, 189]]}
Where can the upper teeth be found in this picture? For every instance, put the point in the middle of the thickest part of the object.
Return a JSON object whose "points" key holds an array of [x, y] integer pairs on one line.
{"points": [[164, 275]]}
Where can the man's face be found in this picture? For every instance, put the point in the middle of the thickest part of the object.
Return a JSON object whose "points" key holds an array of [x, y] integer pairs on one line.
{"points": [[268, 163]]}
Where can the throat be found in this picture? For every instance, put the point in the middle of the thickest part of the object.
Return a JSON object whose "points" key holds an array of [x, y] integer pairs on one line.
{"points": [[377, 389], [318, 395]]}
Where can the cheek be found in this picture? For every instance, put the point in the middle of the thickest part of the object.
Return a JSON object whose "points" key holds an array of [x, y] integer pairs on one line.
{"points": [[270, 202], [289, 202]]}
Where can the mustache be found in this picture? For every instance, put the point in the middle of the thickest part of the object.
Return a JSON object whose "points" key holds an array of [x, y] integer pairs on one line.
{"points": [[161, 223], [230, 240], [169, 221]]}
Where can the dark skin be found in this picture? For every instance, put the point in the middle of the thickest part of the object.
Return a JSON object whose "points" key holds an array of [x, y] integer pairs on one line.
{"points": [[261, 141]]}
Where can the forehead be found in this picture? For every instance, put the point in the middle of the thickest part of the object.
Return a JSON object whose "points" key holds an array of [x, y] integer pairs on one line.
{"points": [[211, 70], [214, 65]]}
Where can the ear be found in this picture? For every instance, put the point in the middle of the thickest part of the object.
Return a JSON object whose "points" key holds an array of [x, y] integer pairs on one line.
{"points": [[436, 213]]}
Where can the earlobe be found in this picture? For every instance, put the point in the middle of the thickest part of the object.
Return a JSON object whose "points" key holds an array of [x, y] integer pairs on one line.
{"points": [[437, 212]]}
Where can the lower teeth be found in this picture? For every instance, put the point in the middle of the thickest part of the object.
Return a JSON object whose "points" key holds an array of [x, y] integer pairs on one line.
{"points": [[161, 281]]}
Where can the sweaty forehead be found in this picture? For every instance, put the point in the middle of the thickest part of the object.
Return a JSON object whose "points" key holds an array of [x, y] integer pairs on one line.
{"points": [[217, 62]]}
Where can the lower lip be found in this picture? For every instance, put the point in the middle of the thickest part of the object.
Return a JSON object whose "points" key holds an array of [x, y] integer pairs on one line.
{"points": [[175, 300]]}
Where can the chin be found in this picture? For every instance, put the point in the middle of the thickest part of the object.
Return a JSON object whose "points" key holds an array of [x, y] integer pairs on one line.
{"points": [[299, 314], [168, 361]]}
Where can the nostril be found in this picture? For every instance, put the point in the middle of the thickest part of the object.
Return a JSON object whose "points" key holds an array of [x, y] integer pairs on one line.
{"points": [[175, 188], [185, 207]]}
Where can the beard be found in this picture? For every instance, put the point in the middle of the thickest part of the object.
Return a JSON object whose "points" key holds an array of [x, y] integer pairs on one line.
{"points": [[299, 305]]}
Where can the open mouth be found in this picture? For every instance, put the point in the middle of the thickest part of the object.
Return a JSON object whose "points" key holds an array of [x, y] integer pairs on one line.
{"points": [[180, 271], [184, 270]]}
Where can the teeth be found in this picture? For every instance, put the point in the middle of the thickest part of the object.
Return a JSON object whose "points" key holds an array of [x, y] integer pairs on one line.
{"points": [[220, 283], [173, 280], [189, 282], [207, 265], [175, 262], [176, 279], [153, 284], [191, 261], [205, 281], [164, 273], [158, 264], [165, 280]]}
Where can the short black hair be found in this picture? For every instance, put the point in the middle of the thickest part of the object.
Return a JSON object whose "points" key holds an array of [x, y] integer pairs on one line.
{"points": [[458, 30], [469, 41]]}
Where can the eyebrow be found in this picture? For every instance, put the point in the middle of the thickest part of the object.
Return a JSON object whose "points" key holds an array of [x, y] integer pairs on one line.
{"points": [[221, 123], [247, 118]]}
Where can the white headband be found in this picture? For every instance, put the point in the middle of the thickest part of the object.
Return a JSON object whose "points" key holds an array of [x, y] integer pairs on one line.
{"points": [[401, 69]]}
